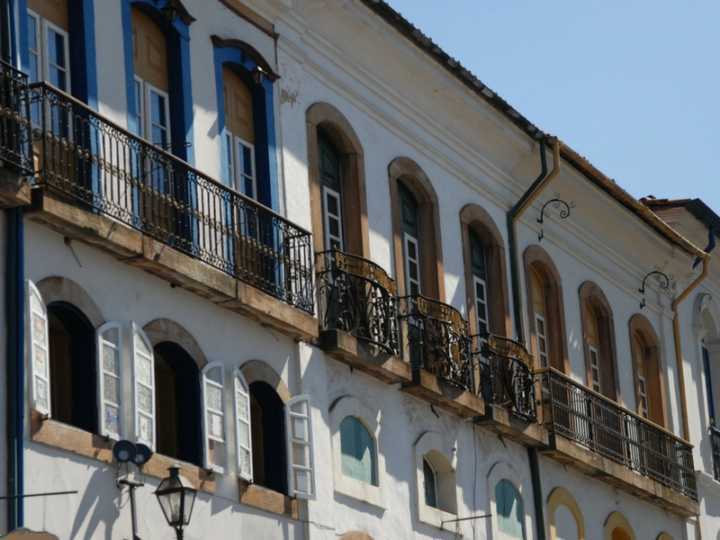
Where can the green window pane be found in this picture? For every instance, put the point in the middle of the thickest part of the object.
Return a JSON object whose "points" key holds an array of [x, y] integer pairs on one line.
{"points": [[510, 511], [358, 451]]}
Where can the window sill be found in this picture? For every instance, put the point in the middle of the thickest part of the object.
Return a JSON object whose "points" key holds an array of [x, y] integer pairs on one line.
{"points": [[90, 445], [435, 517], [359, 491], [69, 438], [268, 500]]}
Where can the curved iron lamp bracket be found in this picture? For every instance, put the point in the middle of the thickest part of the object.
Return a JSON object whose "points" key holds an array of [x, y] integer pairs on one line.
{"points": [[564, 213], [663, 283]]}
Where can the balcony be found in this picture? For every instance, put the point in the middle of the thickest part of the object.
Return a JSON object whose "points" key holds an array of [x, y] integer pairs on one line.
{"points": [[98, 183], [606, 440], [358, 318], [15, 134], [434, 342]]}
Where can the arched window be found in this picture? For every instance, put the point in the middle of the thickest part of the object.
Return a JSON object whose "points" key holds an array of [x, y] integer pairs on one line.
{"points": [[157, 69], [485, 283], [357, 447], [439, 484], [267, 413], [337, 182], [545, 309], [510, 510], [617, 527], [565, 517], [598, 340], [646, 368], [177, 403], [418, 253], [72, 366]]}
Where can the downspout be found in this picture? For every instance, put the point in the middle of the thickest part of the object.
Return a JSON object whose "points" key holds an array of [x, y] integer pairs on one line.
{"points": [[678, 339], [532, 193], [15, 317], [514, 214]]}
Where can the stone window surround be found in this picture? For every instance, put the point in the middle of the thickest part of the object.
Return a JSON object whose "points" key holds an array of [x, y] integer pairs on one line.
{"points": [[432, 441], [535, 257], [502, 470], [614, 521], [592, 293], [354, 199], [341, 408], [432, 271], [562, 497], [656, 390], [90, 445], [476, 219]]}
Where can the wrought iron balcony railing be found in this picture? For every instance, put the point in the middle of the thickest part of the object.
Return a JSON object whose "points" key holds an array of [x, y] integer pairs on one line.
{"points": [[358, 297], [506, 378], [602, 426], [84, 157], [715, 447], [435, 338], [15, 129]]}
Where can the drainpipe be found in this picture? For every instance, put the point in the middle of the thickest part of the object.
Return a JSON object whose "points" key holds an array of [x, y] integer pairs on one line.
{"points": [[678, 339], [514, 214], [15, 317], [532, 193]]}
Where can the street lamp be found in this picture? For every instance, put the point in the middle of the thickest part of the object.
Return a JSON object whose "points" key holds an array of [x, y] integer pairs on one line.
{"points": [[176, 501]]}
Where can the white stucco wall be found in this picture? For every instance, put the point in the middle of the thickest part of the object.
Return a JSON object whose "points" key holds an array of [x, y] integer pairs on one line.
{"points": [[399, 104]]}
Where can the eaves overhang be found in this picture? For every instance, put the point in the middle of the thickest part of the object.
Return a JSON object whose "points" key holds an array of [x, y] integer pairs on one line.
{"points": [[582, 164]]}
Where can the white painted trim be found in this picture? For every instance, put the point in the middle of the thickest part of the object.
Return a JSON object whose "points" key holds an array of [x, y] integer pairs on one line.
{"points": [[101, 401], [326, 191]]}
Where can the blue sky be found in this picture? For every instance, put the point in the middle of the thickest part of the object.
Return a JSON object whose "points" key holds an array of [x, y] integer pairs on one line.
{"points": [[633, 85]]}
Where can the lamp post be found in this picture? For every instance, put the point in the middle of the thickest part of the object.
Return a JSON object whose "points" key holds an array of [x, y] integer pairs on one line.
{"points": [[176, 501]]}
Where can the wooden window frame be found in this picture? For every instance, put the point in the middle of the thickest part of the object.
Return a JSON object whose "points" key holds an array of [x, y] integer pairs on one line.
{"points": [[537, 260], [432, 274], [327, 216], [409, 239], [640, 329], [476, 221], [336, 127], [480, 304], [594, 302]]}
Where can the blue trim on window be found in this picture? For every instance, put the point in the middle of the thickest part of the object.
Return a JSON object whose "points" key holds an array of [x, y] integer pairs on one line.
{"points": [[83, 63], [181, 104], [264, 115]]}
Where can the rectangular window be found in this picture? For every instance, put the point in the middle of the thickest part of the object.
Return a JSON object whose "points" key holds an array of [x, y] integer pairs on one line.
{"points": [[594, 368], [542, 344], [642, 397], [158, 117], [481, 307], [35, 60], [332, 206], [139, 108], [245, 168], [412, 264], [57, 56]]}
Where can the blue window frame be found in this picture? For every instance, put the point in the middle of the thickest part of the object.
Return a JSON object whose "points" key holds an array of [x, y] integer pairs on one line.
{"points": [[247, 63], [82, 61], [177, 32]]}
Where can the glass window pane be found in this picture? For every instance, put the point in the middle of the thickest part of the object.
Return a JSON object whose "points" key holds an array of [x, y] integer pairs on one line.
{"points": [[430, 484], [213, 397], [358, 451], [510, 511]]}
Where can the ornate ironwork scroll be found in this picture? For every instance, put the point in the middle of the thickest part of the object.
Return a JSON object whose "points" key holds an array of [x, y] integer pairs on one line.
{"points": [[436, 339], [564, 213], [506, 377], [87, 158], [358, 297], [663, 282]]}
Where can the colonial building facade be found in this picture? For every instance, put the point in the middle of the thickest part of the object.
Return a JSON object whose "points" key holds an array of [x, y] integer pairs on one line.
{"points": [[296, 249]]}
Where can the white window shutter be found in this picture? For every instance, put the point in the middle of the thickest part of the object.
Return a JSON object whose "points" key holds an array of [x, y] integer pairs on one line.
{"points": [[243, 427], [301, 471], [39, 351], [109, 346], [143, 388], [214, 417]]}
